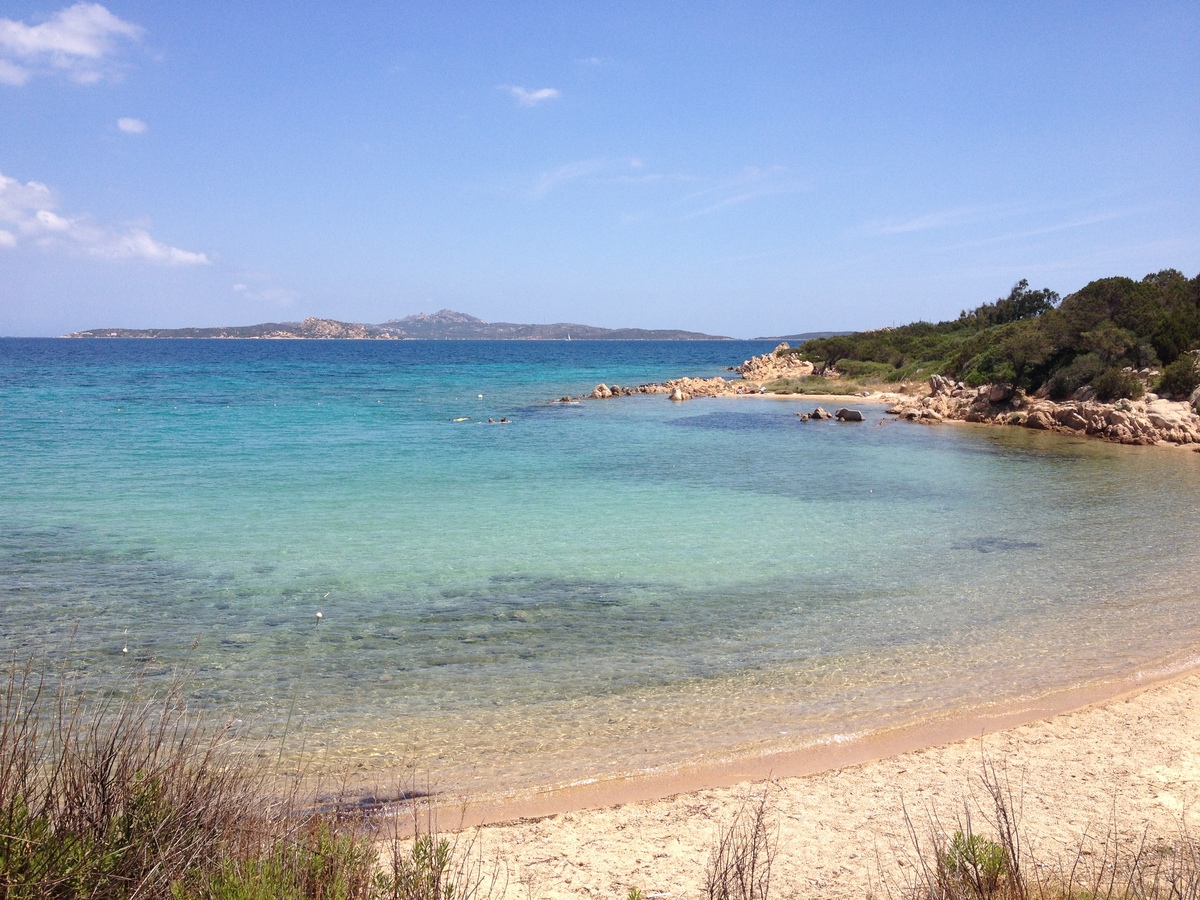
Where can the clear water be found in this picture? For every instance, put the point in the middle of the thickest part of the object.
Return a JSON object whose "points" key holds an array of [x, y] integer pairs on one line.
{"points": [[593, 589]]}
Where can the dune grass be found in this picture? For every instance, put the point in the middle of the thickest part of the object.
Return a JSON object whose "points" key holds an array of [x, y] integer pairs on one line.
{"points": [[124, 795]]}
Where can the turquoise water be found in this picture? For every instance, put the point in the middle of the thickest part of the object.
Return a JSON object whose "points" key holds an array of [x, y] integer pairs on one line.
{"points": [[592, 589]]}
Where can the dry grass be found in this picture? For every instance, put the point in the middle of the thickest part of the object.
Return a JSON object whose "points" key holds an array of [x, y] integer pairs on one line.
{"points": [[739, 867], [130, 796], [962, 862]]}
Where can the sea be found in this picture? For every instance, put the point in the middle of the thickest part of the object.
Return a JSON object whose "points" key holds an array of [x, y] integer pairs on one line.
{"points": [[326, 545]]}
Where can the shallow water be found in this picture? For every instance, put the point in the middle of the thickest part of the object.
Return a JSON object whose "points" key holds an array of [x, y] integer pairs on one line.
{"points": [[593, 589]]}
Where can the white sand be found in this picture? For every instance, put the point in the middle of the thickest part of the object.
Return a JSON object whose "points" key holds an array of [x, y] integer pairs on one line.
{"points": [[1132, 763]]}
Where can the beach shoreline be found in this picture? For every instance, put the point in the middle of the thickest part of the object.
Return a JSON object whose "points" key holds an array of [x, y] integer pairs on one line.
{"points": [[815, 758], [1128, 762]]}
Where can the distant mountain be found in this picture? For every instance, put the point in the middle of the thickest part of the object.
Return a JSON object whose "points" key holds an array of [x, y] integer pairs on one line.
{"points": [[444, 325], [805, 336]]}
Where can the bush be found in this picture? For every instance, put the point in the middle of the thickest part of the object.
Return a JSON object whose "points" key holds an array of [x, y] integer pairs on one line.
{"points": [[860, 369], [1067, 380], [1180, 378], [131, 796], [974, 861], [1113, 384]]}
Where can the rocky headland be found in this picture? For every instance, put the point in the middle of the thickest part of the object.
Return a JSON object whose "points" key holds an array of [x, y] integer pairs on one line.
{"points": [[1150, 420], [756, 373]]}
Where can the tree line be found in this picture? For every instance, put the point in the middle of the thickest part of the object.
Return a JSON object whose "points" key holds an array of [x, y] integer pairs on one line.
{"points": [[1100, 336]]}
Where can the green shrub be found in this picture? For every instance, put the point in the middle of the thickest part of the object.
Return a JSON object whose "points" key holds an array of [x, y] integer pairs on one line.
{"points": [[1113, 384], [810, 384], [865, 369], [1180, 378], [1067, 380], [975, 861]]}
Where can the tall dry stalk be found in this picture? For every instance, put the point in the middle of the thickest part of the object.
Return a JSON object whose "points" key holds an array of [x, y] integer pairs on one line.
{"points": [[739, 867]]}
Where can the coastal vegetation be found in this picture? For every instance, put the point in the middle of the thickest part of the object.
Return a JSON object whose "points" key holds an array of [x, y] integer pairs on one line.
{"points": [[112, 794], [1106, 338]]}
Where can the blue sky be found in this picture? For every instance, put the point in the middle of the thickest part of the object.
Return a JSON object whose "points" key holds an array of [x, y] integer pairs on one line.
{"points": [[740, 169]]}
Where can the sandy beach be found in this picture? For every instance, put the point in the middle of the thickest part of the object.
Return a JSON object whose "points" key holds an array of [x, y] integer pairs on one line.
{"points": [[1129, 765]]}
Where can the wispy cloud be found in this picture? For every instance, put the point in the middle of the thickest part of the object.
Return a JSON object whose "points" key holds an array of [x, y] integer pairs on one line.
{"points": [[131, 126], [752, 183], [269, 294], [79, 42], [527, 98], [550, 181], [27, 216], [1055, 228], [944, 218]]}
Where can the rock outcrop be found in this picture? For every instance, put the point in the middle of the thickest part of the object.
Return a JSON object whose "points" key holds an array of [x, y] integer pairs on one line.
{"points": [[771, 366], [1125, 421]]}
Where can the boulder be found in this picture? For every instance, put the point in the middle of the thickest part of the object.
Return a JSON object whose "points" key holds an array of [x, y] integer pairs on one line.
{"points": [[1070, 418], [999, 393], [848, 415], [819, 413], [940, 384], [1194, 400], [677, 394], [1038, 420], [601, 392]]}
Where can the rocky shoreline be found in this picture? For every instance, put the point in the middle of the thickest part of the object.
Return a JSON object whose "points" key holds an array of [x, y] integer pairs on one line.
{"points": [[1144, 422], [1152, 420]]}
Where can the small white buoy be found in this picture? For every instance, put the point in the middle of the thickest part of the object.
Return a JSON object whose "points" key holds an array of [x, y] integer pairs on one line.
{"points": [[125, 649], [481, 396], [319, 616]]}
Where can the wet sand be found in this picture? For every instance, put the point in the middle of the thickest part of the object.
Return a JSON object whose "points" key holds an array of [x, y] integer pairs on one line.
{"points": [[1131, 763]]}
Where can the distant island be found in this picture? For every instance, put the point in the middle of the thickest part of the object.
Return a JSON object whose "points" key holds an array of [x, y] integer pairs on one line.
{"points": [[444, 325]]}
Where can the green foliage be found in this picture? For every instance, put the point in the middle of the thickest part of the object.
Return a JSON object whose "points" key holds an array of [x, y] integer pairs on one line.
{"points": [[1070, 378], [1114, 384], [810, 384], [866, 370], [134, 797], [1180, 378], [325, 860], [976, 861], [1021, 303], [1032, 340], [425, 873]]}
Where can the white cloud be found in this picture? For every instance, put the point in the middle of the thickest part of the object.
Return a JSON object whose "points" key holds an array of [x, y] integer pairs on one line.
{"points": [[11, 74], [27, 209], [131, 126], [79, 41], [52, 222], [526, 97], [137, 244]]}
